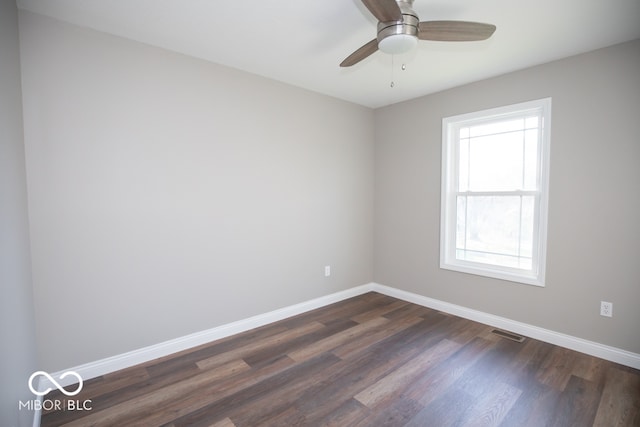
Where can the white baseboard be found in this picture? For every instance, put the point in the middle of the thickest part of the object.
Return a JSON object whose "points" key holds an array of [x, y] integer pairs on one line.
{"points": [[126, 360], [146, 354], [602, 351]]}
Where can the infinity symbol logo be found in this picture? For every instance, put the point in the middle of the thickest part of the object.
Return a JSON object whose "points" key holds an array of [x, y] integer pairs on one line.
{"points": [[51, 379]]}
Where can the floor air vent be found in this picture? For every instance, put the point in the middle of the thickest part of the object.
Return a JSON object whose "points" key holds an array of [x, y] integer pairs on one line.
{"points": [[508, 335]]}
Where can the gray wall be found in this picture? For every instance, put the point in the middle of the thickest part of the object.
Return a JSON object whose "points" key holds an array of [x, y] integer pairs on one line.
{"points": [[17, 333], [594, 206], [169, 195]]}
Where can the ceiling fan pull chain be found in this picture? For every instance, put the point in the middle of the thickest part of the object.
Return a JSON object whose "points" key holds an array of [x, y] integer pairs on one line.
{"points": [[392, 66]]}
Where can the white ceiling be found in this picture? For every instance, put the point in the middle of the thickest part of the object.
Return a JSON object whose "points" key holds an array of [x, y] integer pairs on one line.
{"points": [[301, 42]]}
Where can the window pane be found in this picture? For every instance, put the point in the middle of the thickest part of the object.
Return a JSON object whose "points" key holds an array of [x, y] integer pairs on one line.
{"points": [[497, 127], [463, 165], [531, 160], [493, 224], [496, 230], [461, 231], [496, 162], [531, 122], [526, 230]]}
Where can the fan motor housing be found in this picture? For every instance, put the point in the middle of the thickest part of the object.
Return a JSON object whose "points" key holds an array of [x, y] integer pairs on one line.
{"points": [[408, 25]]}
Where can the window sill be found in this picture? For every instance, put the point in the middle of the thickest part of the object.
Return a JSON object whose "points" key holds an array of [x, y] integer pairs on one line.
{"points": [[481, 270]]}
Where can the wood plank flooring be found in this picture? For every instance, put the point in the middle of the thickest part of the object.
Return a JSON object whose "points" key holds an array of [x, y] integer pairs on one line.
{"points": [[371, 360]]}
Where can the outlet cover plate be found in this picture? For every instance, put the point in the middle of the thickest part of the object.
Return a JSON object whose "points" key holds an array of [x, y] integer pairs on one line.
{"points": [[606, 309]]}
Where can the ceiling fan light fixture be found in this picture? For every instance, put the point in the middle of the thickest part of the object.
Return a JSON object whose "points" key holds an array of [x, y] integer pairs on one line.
{"points": [[400, 28], [397, 43]]}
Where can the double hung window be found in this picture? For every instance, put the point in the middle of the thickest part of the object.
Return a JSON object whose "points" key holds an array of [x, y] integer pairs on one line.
{"points": [[495, 174]]}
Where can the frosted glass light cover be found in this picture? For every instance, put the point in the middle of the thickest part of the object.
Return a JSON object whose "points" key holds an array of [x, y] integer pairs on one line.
{"points": [[398, 43]]}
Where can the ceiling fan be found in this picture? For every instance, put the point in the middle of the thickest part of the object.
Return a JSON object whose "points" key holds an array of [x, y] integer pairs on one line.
{"points": [[399, 30]]}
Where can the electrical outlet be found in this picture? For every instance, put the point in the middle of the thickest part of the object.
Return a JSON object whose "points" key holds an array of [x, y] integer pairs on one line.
{"points": [[327, 270], [606, 309]]}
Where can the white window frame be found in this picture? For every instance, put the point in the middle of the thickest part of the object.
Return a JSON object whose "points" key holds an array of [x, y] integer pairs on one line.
{"points": [[448, 220]]}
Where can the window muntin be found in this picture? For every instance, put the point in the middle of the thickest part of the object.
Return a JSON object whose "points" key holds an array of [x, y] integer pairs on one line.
{"points": [[494, 196]]}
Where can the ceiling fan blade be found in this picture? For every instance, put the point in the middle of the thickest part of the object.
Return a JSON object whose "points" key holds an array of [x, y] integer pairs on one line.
{"points": [[360, 54], [384, 10], [454, 31]]}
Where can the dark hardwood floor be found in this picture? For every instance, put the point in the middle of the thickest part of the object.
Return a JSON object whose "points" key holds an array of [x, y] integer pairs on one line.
{"points": [[367, 361]]}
